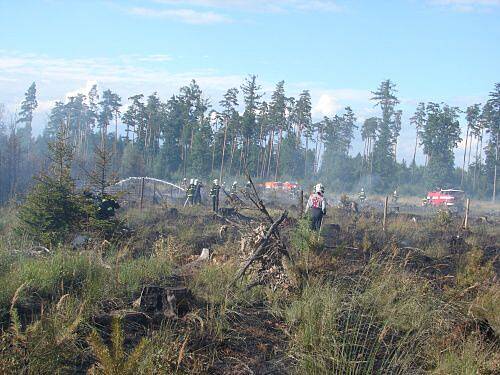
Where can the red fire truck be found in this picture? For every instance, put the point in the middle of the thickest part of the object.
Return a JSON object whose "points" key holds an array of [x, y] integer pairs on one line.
{"points": [[445, 197]]}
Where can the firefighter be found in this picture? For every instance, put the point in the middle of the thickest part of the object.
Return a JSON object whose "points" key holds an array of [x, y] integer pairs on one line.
{"points": [[184, 183], [248, 187], [395, 196], [362, 195], [197, 191], [317, 204], [190, 193], [107, 206], [214, 193], [234, 188]]}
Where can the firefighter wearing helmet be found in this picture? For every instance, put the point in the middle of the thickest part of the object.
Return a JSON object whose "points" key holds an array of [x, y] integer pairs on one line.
{"points": [[214, 193], [234, 189], [362, 195], [190, 192], [317, 204]]}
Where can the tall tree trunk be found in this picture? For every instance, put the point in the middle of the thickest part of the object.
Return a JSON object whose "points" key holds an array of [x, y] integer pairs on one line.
{"points": [[371, 162], [475, 165], [305, 158], [260, 149], [115, 144], [271, 145], [465, 154], [280, 139], [223, 152], [264, 159], [316, 155], [241, 157], [495, 170], [469, 153], [233, 148]]}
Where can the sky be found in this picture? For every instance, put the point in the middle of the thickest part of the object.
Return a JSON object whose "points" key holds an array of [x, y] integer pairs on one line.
{"points": [[434, 50]]}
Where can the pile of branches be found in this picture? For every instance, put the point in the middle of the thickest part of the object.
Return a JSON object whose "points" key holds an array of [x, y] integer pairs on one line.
{"points": [[269, 261]]}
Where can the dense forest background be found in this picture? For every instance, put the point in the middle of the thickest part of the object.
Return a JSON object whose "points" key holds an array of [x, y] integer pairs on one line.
{"points": [[274, 137]]}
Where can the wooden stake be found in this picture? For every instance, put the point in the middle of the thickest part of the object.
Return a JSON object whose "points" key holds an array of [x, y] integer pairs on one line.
{"points": [[384, 222], [466, 219], [142, 193]]}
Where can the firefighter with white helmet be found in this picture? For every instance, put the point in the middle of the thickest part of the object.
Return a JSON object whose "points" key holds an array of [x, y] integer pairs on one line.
{"points": [[190, 192], [214, 193], [395, 196], [234, 188], [184, 183], [317, 204], [362, 195]]}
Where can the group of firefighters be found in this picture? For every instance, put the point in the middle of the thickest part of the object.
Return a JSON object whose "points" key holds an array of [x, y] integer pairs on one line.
{"points": [[316, 204], [194, 188], [362, 196]]}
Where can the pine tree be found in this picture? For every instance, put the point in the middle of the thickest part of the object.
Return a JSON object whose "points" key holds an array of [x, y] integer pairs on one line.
{"points": [[418, 121], [52, 209], [304, 122], [277, 117], [229, 105], [439, 136], [28, 106], [492, 114], [387, 132]]}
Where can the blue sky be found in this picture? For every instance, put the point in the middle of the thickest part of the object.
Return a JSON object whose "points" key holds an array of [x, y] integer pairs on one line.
{"points": [[435, 50]]}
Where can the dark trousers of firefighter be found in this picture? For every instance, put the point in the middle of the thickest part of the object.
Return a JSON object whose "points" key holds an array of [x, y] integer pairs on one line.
{"points": [[215, 203], [316, 218]]}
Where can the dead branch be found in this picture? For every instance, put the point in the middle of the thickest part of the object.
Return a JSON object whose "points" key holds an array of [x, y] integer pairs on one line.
{"points": [[262, 247]]}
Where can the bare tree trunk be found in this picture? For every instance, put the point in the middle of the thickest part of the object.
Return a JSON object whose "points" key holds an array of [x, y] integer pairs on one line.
{"points": [[371, 162], [280, 139], [475, 166], [223, 152], [233, 148], [241, 157], [260, 149], [495, 171], [115, 144], [470, 146], [465, 154], [305, 158], [271, 144]]}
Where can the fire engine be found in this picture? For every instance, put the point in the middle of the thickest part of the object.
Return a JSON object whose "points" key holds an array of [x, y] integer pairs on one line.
{"points": [[445, 197], [276, 185]]}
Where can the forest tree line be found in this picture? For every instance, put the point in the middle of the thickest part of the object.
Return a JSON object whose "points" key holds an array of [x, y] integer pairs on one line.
{"points": [[274, 138]]}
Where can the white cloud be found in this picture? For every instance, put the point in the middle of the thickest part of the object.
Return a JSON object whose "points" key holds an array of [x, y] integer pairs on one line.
{"points": [[156, 58], [57, 78], [260, 5], [327, 105], [467, 6], [329, 102], [184, 15]]}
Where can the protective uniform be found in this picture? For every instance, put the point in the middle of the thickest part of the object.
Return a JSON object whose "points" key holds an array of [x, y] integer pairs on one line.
{"points": [[362, 195], [317, 204], [395, 196], [214, 193], [184, 183], [234, 189], [190, 192], [197, 192], [107, 207]]}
